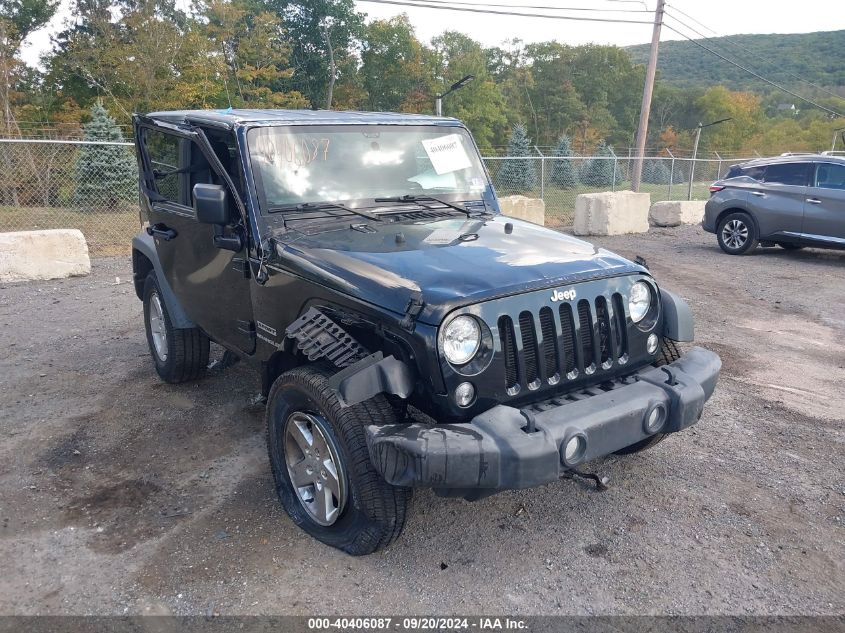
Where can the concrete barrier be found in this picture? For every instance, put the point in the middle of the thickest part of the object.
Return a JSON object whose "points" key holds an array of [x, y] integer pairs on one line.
{"points": [[611, 213], [675, 213], [523, 208], [53, 254]]}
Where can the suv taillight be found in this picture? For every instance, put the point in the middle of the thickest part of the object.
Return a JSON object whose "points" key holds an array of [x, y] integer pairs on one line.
{"points": [[715, 188]]}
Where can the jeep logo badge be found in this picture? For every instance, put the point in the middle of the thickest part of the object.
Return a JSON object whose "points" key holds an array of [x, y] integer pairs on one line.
{"points": [[565, 295]]}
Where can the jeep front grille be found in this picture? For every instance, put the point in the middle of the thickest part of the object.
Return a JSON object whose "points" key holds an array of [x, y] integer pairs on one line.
{"points": [[563, 344]]}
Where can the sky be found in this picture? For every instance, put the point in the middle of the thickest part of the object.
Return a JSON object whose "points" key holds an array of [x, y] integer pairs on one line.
{"points": [[726, 17]]}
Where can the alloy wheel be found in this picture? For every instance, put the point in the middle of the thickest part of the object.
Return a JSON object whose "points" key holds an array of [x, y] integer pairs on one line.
{"points": [[735, 234], [158, 330], [314, 468]]}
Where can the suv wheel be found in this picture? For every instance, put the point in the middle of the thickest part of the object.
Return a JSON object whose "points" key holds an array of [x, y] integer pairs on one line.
{"points": [[179, 354], [737, 234], [321, 464]]}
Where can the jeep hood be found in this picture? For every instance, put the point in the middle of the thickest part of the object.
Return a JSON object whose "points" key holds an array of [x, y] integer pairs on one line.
{"points": [[450, 262]]}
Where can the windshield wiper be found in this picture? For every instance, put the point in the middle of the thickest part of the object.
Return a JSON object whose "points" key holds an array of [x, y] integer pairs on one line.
{"points": [[325, 206], [412, 198]]}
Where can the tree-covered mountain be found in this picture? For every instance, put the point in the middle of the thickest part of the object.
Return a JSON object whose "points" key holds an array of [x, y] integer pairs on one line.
{"points": [[816, 57]]}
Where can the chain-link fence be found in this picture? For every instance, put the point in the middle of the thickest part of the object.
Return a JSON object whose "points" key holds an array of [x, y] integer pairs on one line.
{"points": [[557, 181], [92, 186]]}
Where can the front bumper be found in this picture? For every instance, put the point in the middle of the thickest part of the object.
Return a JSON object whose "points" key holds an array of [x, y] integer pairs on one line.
{"points": [[494, 451]]}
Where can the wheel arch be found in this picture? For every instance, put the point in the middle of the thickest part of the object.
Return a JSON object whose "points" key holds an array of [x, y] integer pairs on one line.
{"points": [[279, 362], [730, 210], [145, 260]]}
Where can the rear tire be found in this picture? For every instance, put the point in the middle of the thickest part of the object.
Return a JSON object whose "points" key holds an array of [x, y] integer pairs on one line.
{"points": [[737, 234], [347, 504], [179, 355]]}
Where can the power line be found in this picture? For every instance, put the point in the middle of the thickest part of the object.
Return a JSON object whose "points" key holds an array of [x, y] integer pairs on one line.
{"points": [[746, 69], [535, 6], [494, 12], [743, 48]]}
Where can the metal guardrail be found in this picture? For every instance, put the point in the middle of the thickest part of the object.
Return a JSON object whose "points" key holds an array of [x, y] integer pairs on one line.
{"points": [[92, 186]]}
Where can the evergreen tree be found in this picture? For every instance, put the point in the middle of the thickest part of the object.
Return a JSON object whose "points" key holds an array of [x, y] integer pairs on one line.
{"points": [[563, 171], [656, 171], [105, 174], [519, 175], [598, 172]]}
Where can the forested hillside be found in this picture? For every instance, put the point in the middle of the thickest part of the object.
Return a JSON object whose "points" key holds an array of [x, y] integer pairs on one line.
{"points": [[816, 57], [138, 56]]}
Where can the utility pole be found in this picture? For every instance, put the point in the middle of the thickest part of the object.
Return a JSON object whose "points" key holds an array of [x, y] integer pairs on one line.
{"points": [[648, 89]]}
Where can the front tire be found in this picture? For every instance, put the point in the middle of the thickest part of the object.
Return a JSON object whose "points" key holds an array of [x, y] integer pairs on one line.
{"points": [[321, 464], [737, 234], [179, 355]]}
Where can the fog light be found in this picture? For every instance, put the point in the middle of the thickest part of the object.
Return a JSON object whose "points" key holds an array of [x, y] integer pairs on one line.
{"points": [[464, 394], [651, 344], [654, 419], [573, 450]]}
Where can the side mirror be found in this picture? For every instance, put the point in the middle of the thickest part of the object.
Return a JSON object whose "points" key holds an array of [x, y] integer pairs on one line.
{"points": [[211, 204]]}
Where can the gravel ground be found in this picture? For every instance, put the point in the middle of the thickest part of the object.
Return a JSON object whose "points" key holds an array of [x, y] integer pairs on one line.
{"points": [[121, 494]]}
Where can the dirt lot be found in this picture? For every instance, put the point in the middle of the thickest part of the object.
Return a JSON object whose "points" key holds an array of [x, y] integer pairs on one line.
{"points": [[120, 494]]}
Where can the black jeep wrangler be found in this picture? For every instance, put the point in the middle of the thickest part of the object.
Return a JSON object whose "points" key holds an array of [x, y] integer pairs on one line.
{"points": [[406, 333]]}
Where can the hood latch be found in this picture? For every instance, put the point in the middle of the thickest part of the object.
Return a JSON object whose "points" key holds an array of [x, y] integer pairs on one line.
{"points": [[412, 311]]}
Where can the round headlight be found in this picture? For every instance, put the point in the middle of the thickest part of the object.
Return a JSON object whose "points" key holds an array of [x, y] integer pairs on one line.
{"points": [[460, 339], [639, 301]]}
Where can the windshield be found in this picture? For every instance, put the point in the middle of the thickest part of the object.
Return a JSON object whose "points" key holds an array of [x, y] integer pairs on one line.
{"points": [[314, 164]]}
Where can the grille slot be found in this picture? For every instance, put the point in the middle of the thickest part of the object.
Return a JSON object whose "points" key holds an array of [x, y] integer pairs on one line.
{"points": [[589, 337], [508, 340], [567, 337], [529, 347], [585, 324], [606, 338], [547, 329], [619, 326]]}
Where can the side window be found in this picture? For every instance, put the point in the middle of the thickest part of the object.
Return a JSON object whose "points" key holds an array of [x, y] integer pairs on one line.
{"points": [[755, 172], [788, 173], [830, 176], [163, 151]]}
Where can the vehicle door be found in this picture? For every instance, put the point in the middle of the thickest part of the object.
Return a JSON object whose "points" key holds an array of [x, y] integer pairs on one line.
{"points": [[824, 208], [777, 202], [210, 282]]}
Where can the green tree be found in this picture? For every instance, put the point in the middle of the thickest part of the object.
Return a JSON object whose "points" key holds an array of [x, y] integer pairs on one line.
{"points": [[18, 19], [480, 103], [256, 53], [599, 171], [105, 174], [519, 175], [656, 171], [395, 67], [744, 111], [563, 170], [308, 23]]}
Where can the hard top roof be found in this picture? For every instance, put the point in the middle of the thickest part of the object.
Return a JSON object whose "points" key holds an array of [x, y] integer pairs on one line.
{"points": [[231, 117]]}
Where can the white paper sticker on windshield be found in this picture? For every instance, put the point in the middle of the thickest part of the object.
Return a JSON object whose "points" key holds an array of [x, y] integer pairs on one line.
{"points": [[446, 153]]}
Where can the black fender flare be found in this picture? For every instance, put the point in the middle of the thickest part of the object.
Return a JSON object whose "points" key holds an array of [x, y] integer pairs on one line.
{"points": [[145, 245], [678, 322]]}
